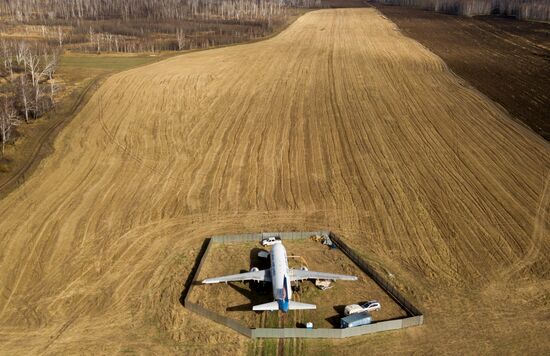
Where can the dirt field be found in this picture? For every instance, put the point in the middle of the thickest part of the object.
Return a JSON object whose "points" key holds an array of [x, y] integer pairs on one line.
{"points": [[341, 123], [235, 300], [506, 59], [79, 75]]}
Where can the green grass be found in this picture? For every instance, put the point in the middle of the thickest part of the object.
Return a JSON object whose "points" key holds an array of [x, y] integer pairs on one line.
{"points": [[75, 68], [270, 346], [106, 63]]}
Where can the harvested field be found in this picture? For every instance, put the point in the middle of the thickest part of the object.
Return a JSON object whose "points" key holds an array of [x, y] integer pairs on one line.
{"points": [[506, 59], [80, 75], [235, 300], [340, 122]]}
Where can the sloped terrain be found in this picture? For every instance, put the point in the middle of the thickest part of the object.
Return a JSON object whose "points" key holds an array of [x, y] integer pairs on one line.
{"points": [[339, 122]]}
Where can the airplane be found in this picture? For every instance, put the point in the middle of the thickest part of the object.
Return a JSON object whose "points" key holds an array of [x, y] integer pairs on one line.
{"points": [[280, 277]]}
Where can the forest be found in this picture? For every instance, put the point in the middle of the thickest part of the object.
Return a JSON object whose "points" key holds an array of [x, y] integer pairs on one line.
{"points": [[537, 10]]}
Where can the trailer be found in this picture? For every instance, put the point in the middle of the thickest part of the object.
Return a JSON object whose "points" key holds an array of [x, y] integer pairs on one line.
{"points": [[357, 319]]}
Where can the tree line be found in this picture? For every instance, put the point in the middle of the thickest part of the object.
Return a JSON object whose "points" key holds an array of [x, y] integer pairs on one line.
{"points": [[538, 10], [27, 86], [24, 10], [138, 36], [148, 25]]}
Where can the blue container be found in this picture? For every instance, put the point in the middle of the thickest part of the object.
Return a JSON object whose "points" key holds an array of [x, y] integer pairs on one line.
{"points": [[355, 320]]}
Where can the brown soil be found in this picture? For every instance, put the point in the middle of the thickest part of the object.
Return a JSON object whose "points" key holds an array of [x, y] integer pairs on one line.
{"points": [[506, 59]]}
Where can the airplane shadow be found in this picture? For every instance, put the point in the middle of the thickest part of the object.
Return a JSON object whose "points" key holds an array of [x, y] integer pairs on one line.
{"points": [[258, 293], [257, 261]]}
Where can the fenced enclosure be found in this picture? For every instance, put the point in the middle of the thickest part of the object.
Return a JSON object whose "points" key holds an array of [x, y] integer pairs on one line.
{"points": [[414, 316]]}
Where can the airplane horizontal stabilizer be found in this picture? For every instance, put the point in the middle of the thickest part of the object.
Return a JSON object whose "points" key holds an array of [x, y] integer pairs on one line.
{"points": [[271, 306], [297, 306]]}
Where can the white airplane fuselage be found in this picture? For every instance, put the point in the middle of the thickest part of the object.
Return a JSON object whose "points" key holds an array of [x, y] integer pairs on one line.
{"points": [[280, 276], [282, 291]]}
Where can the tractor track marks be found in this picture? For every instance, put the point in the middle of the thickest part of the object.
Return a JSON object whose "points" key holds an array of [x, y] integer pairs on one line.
{"points": [[339, 122]]}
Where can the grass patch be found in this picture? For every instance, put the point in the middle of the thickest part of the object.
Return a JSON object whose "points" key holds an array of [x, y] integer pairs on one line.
{"points": [[105, 63]]}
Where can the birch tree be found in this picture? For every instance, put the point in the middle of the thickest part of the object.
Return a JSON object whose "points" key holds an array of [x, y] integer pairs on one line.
{"points": [[24, 95], [7, 58], [180, 36], [60, 36], [8, 120], [51, 62]]}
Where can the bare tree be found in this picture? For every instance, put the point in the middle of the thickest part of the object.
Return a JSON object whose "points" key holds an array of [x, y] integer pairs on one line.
{"points": [[51, 62], [8, 119], [21, 53], [25, 100], [98, 42], [109, 38], [180, 36], [7, 58], [60, 36], [32, 64], [91, 34]]}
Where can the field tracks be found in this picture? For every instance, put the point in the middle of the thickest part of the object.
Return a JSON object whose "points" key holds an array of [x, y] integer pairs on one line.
{"points": [[340, 122], [540, 232]]}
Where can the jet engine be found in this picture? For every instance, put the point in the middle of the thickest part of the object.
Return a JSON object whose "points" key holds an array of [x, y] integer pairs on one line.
{"points": [[254, 269]]}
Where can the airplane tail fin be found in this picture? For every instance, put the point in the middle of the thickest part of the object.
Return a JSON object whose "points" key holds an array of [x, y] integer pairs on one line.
{"points": [[271, 306], [297, 305]]}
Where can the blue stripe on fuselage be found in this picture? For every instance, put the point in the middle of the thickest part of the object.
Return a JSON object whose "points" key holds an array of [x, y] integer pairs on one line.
{"points": [[283, 303]]}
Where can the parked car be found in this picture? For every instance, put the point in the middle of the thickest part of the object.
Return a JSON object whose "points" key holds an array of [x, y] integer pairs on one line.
{"points": [[371, 305], [272, 240]]}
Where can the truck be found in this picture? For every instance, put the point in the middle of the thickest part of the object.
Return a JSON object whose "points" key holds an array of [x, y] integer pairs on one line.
{"points": [[354, 320]]}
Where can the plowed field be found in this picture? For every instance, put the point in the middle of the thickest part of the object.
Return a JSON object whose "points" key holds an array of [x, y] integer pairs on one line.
{"points": [[506, 59], [339, 122]]}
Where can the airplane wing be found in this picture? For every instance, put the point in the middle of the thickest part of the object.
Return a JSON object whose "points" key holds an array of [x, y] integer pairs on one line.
{"points": [[263, 275], [298, 275]]}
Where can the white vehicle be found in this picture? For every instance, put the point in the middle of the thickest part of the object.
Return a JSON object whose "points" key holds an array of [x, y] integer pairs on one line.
{"points": [[280, 277], [371, 305], [268, 241]]}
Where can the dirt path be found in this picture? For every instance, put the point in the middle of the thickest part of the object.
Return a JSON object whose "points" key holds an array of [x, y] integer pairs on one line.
{"points": [[339, 122]]}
